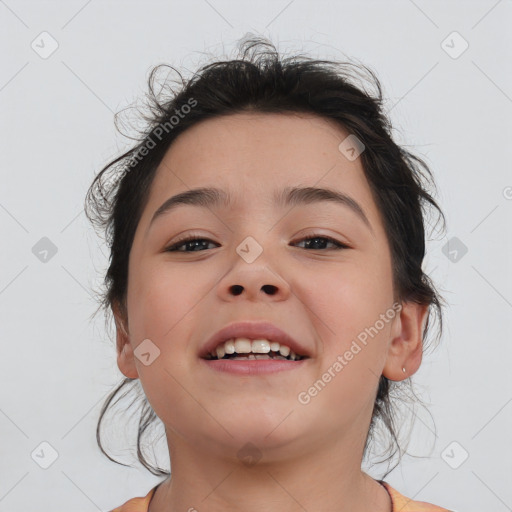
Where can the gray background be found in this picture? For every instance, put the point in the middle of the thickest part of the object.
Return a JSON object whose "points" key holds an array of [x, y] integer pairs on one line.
{"points": [[57, 131]]}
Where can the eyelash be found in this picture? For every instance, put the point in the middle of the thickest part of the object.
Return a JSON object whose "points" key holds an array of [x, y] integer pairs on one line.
{"points": [[183, 241]]}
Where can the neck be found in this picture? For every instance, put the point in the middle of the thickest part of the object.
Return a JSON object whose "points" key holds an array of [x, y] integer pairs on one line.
{"points": [[316, 480]]}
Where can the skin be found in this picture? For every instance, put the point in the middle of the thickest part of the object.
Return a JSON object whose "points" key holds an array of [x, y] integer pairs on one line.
{"points": [[310, 454]]}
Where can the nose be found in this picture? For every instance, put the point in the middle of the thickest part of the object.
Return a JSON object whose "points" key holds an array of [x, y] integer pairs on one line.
{"points": [[254, 282]]}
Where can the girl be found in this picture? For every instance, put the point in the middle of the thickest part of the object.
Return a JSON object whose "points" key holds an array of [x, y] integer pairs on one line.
{"points": [[267, 239]]}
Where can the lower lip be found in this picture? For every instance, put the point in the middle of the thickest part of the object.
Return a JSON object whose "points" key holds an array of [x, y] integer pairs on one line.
{"points": [[252, 367]]}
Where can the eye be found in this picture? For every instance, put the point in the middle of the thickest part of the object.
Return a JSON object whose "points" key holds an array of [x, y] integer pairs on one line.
{"points": [[316, 238], [195, 244], [187, 242]]}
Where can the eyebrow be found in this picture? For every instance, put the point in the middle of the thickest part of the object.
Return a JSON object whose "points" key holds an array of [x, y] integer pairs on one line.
{"points": [[211, 197]]}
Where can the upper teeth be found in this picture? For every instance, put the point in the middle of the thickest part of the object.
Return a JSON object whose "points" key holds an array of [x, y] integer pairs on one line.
{"points": [[259, 346]]}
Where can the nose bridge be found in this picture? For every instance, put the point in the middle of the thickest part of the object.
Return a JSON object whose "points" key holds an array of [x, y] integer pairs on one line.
{"points": [[256, 230]]}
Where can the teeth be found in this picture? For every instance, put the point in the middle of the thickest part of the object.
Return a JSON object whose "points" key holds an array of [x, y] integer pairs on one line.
{"points": [[256, 349], [260, 346], [220, 351], [243, 346], [257, 356], [284, 350]]}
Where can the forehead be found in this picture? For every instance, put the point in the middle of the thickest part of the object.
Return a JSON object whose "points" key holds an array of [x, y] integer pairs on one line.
{"points": [[255, 145], [253, 156]]}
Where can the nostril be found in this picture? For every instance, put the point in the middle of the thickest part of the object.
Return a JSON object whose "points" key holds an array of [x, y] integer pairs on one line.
{"points": [[236, 289], [270, 289]]}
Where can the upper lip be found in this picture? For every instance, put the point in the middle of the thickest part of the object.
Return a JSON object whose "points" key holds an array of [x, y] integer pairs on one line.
{"points": [[253, 330]]}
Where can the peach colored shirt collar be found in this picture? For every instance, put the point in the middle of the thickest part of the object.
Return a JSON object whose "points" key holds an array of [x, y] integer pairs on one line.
{"points": [[400, 502]]}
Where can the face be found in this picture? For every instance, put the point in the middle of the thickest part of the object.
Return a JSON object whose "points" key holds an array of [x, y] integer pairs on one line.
{"points": [[324, 296]]}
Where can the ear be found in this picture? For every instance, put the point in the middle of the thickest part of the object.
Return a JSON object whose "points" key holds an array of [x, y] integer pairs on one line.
{"points": [[125, 357], [406, 346]]}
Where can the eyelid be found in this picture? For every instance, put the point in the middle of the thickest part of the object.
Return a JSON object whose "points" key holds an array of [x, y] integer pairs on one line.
{"points": [[337, 243], [313, 233], [189, 237], [186, 238]]}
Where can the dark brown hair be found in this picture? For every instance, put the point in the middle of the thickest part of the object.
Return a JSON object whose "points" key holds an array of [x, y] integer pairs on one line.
{"points": [[260, 80]]}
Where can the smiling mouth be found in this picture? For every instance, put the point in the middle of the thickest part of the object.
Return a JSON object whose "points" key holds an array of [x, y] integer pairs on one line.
{"points": [[251, 356], [244, 349]]}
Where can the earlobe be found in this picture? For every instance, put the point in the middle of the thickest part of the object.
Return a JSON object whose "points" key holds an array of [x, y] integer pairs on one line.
{"points": [[125, 357], [126, 362], [406, 346]]}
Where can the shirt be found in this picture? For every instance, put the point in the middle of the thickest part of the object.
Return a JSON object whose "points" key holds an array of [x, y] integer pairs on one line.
{"points": [[400, 503]]}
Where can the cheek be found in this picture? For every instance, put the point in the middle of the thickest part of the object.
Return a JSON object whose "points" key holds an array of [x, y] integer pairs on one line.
{"points": [[355, 318], [161, 302], [354, 340], [349, 297], [161, 297]]}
